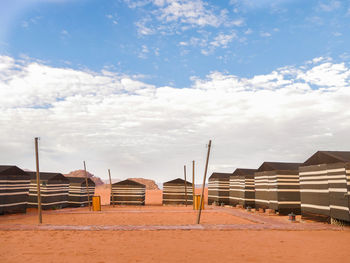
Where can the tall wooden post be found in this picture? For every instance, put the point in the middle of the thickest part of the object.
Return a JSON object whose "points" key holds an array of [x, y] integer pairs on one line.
{"points": [[185, 186], [110, 182], [204, 178], [38, 180], [193, 186], [87, 186]]}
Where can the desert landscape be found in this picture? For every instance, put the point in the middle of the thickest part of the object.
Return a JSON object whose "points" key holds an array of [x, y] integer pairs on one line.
{"points": [[156, 233]]}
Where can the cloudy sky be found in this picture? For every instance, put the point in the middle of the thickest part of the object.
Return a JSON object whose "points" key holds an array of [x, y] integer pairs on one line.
{"points": [[141, 86]]}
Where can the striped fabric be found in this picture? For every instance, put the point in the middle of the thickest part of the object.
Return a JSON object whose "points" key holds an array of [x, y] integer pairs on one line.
{"points": [[277, 187], [219, 188], [128, 192], [54, 188], [174, 192], [14, 188], [242, 188], [77, 194]]}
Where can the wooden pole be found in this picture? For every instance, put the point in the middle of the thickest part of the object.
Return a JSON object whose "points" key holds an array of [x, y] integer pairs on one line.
{"points": [[38, 180], [87, 186], [185, 186], [193, 186], [204, 178], [110, 182]]}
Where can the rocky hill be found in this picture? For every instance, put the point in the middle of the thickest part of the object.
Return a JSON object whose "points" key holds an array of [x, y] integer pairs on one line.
{"points": [[150, 184], [81, 173]]}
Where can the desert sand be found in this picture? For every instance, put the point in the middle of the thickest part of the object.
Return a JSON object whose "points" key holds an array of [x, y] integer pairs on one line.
{"points": [[156, 233]]}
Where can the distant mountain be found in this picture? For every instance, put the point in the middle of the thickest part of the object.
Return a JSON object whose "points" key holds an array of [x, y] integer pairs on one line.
{"points": [[81, 173], [113, 181], [150, 184]]}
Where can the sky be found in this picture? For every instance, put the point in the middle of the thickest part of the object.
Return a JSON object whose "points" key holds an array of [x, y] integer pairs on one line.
{"points": [[139, 87]]}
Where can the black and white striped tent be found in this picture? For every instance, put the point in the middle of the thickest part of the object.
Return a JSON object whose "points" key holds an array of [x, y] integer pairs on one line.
{"points": [[78, 195], [219, 188], [174, 192], [54, 189], [325, 186], [277, 187], [14, 188], [242, 189], [128, 192]]}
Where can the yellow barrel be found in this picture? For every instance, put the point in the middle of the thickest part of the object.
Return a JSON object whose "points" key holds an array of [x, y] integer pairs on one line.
{"points": [[96, 203], [197, 200]]}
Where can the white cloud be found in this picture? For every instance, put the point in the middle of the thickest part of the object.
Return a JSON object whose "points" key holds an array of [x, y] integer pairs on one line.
{"points": [[265, 34], [112, 18], [116, 121], [329, 6], [222, 40]]}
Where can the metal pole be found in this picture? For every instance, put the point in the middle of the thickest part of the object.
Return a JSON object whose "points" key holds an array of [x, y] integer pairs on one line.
{"points": [[38, 180], [110, 182], [87, 187], [185, 185], [205, 176], [193, 186]]}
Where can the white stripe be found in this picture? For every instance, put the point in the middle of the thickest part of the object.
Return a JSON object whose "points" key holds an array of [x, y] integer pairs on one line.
{"points": [[339, 207], [13, 204], [15, 181], [54, 203], [315, 206], [14, 193]]}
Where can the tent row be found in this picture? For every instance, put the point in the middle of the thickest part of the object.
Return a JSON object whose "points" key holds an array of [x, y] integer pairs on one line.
{"points": [[129, 192], [317, 189], [18, 190]]}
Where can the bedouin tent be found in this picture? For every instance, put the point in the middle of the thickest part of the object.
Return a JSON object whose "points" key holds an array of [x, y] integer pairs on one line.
{"points": [[54, 188], [78, 195], [277, 187], [325, 186], [242, 189], [14, 188], [219, 188], [174, 192], [128, 192]]}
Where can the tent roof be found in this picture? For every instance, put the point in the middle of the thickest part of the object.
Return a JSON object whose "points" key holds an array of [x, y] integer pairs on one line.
{"points": [[129, 182], [322, 157], [48, 176], [220, 175], [80, 180], [178, 181], [271, 166], [244, 171], [11, 170]]}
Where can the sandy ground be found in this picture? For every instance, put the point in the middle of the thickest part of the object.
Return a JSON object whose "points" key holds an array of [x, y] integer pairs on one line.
{"points": [[237, 240]]}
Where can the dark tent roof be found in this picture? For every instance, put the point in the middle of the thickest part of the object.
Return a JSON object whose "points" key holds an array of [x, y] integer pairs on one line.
{"points": [[11, 170], [322, 157], [271, 166], [79, 180], [129, 182], [220, 176], [244, 171], [48, 176], [178, 181]]}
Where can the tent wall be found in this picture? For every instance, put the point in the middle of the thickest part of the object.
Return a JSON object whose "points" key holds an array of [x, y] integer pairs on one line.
{"points": [[219, 190], [247, 197], [77, 195], [54, 194], [324, 191], [261, 182], [174, 193], [14, 190], [235, 191], [128, 194]]}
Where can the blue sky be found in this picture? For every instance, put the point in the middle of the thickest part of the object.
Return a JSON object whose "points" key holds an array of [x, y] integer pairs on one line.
{"points": [[167, 45], [139, 87]]}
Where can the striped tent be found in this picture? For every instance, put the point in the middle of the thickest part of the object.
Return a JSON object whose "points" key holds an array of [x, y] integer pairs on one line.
{"points": [[128, 192], [242, 189], [174, 192], [54, 188], [277, 187], [14, 188], [77, 195], [219, 188], [325, 186]]}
